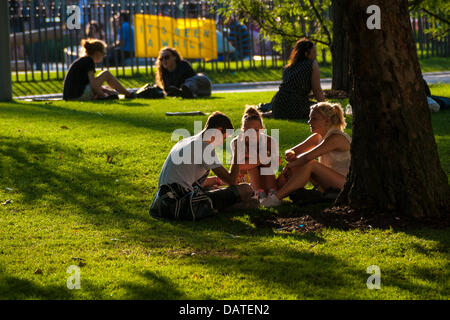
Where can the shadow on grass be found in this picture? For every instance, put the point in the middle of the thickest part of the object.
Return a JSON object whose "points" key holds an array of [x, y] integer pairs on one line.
{"points": [[156, 122], [15, 288], [33, 170], [153, 286]]}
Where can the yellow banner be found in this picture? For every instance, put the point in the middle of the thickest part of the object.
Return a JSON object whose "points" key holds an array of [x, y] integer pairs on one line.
{"points": [[193, 38]]}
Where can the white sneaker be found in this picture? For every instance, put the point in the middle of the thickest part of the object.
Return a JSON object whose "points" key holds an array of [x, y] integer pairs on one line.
{"points": [[271, 201]]}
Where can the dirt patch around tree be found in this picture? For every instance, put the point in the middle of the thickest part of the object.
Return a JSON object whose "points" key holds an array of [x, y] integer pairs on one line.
{"points": [[343, 218]]}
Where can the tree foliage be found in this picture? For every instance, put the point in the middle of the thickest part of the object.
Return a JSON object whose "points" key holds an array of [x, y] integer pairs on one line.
{"points": [[288, 20], [282, 20], [437, 9]]}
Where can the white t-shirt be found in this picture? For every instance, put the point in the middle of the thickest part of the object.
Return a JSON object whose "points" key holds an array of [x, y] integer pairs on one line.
{"points": [[189, 160]]}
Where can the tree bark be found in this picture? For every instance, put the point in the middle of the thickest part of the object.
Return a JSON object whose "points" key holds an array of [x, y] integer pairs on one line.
{"points": [[395, 165], [340, 47]]}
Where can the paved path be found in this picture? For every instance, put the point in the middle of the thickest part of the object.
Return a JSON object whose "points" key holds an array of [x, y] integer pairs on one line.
{"points": [[431, 77]]}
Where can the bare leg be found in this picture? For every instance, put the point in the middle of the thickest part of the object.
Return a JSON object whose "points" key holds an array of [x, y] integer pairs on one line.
{"points": [[255, 178], [323, 175], [245, 191], [107, 77], [283, 178], [108, 91], [268, 182]]}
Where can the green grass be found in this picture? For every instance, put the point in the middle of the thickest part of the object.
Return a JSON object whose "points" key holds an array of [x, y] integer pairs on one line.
{"points": [[69, 204], [238, 73]]}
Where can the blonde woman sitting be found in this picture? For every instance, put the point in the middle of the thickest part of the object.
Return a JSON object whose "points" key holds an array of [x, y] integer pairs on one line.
{"points": [[328, 143]]}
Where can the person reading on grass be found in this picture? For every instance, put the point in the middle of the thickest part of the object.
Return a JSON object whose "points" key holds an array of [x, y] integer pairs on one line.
{"points": [[177, 77], [81, 83], [183, 181], [329, 144], [261, 176]]}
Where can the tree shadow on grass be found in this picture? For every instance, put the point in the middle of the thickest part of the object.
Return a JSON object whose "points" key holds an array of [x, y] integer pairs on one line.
{"points": [[153, 286], [32, 168], [155, 122], [15, 288]]}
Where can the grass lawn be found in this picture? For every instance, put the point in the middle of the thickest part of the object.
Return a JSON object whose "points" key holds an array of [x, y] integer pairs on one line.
{"points": [[69, 206], [239, 73]]}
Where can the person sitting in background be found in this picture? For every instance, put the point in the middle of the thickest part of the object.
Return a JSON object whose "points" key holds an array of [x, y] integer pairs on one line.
{"points": [[94, 30], [239, 36], [124, 47], [300, 75], [177, 77], [329, 143], [81, 83]]}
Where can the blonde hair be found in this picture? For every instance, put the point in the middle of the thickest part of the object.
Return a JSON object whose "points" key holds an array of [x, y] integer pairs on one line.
{"points": [[333, 111], [251, 113], [91, 46]]}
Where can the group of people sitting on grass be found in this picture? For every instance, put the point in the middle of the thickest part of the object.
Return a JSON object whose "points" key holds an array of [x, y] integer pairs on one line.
{"points": [[174, 75], [187, 191]]}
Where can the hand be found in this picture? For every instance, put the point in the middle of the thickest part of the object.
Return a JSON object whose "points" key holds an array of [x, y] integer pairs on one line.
{"points": [[290, 155]]}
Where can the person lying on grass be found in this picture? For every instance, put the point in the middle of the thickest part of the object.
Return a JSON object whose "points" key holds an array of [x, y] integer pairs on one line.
{"points": [[81, 83], [261, 176], [328, 143], [184, 176], [177, 77]]}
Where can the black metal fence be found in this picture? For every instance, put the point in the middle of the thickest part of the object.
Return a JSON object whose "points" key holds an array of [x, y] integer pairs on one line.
{"points": [[43, 47]]}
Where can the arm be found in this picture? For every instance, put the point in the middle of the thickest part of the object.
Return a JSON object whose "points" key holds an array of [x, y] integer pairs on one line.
{"points": [[315, 82], [229, 177], [334, 142], [312, 141]]}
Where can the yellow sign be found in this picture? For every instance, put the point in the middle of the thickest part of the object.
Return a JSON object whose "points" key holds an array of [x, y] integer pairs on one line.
{"points": [[193, 38]]}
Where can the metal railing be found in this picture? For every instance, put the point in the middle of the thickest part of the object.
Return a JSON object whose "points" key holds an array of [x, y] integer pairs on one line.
{"points": [[43, 47]]}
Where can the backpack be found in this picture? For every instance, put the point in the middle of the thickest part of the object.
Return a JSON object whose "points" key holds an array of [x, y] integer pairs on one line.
{"points": [[172, 202], [149, 91]]}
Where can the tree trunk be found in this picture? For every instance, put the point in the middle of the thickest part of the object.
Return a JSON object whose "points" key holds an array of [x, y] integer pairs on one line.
{"points": [[395, 165], [340, 47]]}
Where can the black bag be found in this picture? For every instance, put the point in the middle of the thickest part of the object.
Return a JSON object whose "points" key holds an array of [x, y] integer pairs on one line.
{"points": [[172, 202], [443, 102], [150, 92]]}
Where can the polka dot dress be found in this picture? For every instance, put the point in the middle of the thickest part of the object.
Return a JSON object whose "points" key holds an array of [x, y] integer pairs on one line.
{"points": [[291, 101]]}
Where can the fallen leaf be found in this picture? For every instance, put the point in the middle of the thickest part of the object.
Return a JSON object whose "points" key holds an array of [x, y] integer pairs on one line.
{"points": [[109, 158], [38, 271], [64, 127]]}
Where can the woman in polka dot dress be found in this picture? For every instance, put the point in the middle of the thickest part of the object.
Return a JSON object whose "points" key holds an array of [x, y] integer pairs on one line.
{"points": [[300, 76]]}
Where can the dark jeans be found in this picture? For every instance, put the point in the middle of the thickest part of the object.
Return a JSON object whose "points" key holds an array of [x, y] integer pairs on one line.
{"points": [[173, 202], [200, 85], [224, 198]]}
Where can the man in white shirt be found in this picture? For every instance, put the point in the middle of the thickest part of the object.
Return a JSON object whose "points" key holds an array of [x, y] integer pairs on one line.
{"points": [[186, 169]]}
